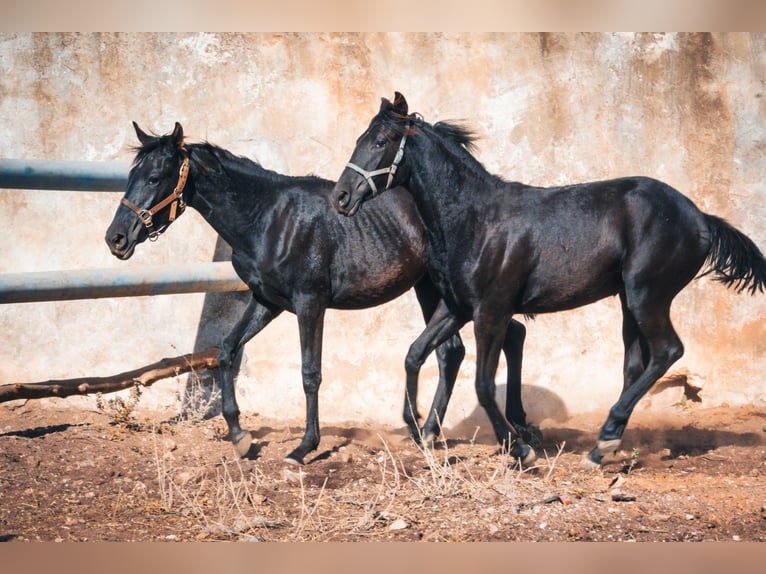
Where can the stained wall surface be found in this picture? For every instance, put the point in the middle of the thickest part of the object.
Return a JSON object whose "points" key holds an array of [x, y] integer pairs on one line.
{"points": [[550, 109]]}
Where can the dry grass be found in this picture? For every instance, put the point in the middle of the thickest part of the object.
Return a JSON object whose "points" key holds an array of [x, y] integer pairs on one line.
{"points": [[236, 500]]}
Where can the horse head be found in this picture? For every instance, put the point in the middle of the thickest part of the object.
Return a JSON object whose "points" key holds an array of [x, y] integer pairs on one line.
{"points": [[154, 195], [382, 144]]}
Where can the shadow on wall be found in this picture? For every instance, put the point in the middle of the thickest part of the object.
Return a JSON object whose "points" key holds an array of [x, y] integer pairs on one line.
{"points": [[220, 311]]}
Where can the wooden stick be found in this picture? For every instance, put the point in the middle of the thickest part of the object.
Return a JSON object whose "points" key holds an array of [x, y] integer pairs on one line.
{"points": [[145, 376]]}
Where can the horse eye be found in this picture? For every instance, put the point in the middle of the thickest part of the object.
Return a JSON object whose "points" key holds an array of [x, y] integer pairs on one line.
{"points": [[380, 143], [153, 180]]}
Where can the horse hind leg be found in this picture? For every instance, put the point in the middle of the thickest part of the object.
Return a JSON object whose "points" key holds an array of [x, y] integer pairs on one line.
{"points": [[636, 351], [664, 348]]}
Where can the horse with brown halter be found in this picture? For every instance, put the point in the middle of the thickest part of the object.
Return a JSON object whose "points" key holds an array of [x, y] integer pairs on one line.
{"points": [[292, 250], [501, 248]]}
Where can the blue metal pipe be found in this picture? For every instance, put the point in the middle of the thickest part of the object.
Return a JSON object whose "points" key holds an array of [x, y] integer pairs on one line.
{"points": [[126, 282], [63, 175]]}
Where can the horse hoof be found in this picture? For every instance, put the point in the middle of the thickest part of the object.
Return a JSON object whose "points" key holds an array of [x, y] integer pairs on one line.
{"points": [[295, 458], [587, 464], [524, 454], [242, 446], [530, 457], [592, 460]]}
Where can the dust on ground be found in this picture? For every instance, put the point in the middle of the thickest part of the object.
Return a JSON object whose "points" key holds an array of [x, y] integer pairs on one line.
{"points": [[69, 474]]}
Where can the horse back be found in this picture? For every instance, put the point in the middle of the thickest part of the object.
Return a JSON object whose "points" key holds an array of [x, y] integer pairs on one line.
{"points": [[564, 247]]}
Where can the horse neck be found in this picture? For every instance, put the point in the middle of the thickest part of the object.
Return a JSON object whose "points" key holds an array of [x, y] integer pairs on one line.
{"points": [[222, 200], [441, 185]]}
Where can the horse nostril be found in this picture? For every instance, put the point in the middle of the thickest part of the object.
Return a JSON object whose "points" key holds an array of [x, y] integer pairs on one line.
{"points": [[118, 241], [343, 198]]}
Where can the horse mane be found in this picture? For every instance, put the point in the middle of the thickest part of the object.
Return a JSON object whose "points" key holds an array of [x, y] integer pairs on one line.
{"points": [[229, 161], [461, 141], [460, 134], [458, 137]]}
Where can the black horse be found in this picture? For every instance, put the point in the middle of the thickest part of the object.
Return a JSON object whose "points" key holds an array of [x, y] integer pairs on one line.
{"points": [[500, 248], [291, 248]]}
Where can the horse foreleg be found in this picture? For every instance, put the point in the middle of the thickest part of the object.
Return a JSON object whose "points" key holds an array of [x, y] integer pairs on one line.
{"points": [[311, 326], [490, 339], [449, 356], [256, 317], [513, 348], [441, 327]]}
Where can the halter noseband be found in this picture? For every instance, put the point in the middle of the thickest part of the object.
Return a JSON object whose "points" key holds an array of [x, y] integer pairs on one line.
{"points": [[175, 199], [390, 170]]}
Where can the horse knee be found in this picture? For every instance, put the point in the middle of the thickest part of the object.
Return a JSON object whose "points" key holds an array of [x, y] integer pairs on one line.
{"points": [[312, 378], [225, 357], [485, 394]]}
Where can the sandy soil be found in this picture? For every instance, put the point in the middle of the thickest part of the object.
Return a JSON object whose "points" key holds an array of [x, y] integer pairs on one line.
{"points": [[67, 474]]}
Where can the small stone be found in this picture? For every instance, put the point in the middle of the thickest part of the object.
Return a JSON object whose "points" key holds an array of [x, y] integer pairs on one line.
{"points": [[291, 476], [398, 524]]}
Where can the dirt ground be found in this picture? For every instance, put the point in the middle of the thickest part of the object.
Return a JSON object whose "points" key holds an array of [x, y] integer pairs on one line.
{"points": [[73, 474]]}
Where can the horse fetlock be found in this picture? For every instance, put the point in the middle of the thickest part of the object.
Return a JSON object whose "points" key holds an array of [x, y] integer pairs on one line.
{"points": [[531, 434]]}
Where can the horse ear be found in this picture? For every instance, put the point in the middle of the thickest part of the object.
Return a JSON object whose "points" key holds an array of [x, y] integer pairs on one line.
{"points": [[178, 134], [143, 137], [400, 104]]}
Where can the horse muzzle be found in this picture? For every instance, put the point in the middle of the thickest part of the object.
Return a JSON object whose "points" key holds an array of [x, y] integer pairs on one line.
{"points": [[346, 204], [121, 241]]}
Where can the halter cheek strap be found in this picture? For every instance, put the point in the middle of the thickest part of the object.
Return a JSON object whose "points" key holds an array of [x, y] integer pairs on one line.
{"points": [[390, 170], [175, 200]]}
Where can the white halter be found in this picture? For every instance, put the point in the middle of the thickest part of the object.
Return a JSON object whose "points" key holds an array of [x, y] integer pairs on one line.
{"points": [[391, 170]]}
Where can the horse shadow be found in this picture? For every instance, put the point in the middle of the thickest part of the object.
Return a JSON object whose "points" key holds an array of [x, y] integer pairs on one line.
{"points": [[541, 404]]}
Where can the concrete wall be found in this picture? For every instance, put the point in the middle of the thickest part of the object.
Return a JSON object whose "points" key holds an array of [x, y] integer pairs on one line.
{"points": [[551, 109]]}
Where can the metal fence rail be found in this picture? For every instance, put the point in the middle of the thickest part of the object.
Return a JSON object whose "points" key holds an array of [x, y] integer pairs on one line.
{"points": [[98, 283], [63, 175]]}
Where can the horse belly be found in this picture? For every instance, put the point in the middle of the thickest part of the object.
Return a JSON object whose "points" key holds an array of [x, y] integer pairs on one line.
{"points": [[374, 284], [559, 287], [379, 254]]}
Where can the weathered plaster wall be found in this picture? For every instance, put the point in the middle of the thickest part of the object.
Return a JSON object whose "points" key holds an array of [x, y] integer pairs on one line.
{"points": [[551, 109]]}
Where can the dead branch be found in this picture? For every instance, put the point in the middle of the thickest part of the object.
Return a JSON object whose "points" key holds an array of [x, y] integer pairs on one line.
{"points": [[145, 376]]}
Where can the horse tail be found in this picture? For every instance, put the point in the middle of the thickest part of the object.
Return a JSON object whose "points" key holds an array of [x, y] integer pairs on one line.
{"points": [[733, 257]]}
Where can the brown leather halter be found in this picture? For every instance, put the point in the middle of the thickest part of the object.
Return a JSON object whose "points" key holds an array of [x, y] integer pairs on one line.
{"points": [[175, 200]]}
